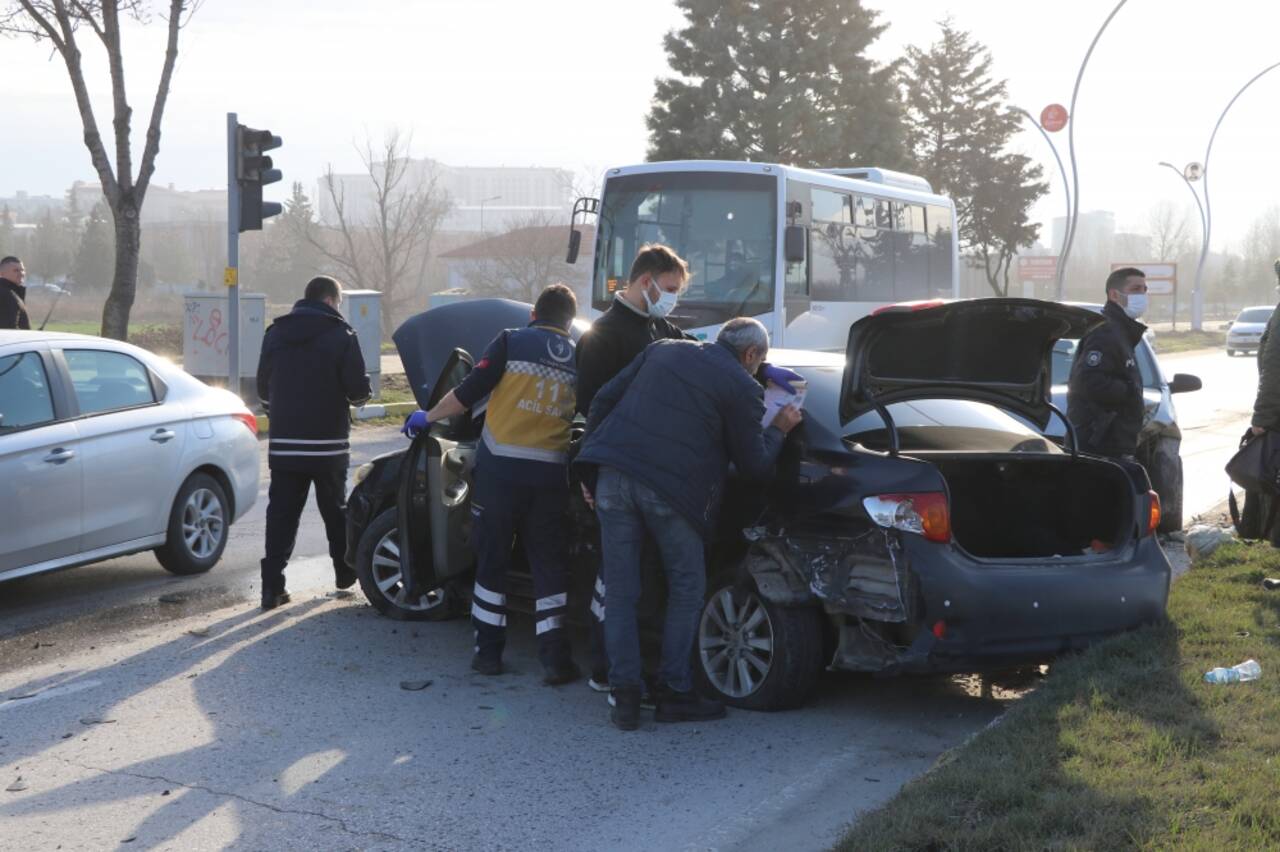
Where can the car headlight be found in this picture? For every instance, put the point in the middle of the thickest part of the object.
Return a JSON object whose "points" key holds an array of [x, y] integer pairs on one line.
{"points": [[362, 472]]}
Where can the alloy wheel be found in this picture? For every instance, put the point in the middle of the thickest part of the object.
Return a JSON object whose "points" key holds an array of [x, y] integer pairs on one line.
{"points": [[203, 523], [735, 642], [387, 576]]}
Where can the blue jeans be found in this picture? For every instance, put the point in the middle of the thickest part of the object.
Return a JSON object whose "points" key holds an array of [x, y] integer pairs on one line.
{"points": [[627, 510]]}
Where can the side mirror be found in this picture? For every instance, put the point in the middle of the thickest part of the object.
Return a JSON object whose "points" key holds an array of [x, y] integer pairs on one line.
{"points": [[794, 243], [1185, 383], [575, 243], [1227, 327]]}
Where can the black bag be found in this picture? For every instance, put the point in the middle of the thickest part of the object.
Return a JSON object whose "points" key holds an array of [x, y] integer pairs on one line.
{"points": [[1256, 468]]}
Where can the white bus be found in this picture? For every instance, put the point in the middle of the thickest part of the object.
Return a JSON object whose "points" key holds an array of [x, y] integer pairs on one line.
{"points": [[807, 252]]}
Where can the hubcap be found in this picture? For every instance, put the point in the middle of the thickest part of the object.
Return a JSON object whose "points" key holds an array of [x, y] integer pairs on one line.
{"points": [[735, 642], [386, 576], [203, 523]]}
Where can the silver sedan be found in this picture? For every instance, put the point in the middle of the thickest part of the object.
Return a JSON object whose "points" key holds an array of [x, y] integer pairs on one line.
{"points": [[107, 449]]}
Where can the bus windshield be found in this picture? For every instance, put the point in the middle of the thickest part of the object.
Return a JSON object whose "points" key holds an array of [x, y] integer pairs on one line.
{"points": [[722, 223]]}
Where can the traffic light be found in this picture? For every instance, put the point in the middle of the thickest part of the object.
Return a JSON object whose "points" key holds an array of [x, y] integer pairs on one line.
{"points": [[253, 171]]}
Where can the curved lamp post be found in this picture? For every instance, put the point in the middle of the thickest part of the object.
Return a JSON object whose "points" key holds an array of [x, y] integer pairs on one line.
{"points": [[1071, 144], [1197, 296], [483, 202], [1066, 185], [1204, 229]]}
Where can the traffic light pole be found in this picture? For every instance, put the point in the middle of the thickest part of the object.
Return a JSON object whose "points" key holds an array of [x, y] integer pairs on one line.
{"points": [[232, 275]]}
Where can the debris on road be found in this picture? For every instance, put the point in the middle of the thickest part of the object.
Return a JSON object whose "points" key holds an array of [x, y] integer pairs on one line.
{"points": [[96, 720], [174, 598], [414, 685], [1203, 540], [17, 786], [199, 631]]}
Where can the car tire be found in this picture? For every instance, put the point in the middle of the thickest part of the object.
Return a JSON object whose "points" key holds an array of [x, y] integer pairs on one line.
{"points": [[1166, 479], [199, 521], [378, 569], [752, 653], [1231, 353]]}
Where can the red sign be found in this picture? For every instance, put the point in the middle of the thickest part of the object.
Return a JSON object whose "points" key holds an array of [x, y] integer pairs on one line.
{"points": [[1037, 268], [1053, 118]]}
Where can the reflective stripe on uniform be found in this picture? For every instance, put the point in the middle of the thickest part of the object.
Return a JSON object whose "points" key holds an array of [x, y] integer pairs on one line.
{"points": [[489, 597], [552, 601], [597, 609], [551, 622], [517, 452], [481, 614]]}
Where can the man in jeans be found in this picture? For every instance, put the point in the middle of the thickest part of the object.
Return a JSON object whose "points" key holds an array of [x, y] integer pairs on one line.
{"points": [[662, 434]]}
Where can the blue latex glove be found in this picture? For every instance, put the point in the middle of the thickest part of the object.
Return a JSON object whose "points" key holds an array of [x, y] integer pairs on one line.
{"points": [[414, 423], [781, 376]]}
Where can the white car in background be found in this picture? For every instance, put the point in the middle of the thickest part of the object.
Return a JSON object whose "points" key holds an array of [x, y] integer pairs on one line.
{"points": [[1244, 334], [107, 449]]}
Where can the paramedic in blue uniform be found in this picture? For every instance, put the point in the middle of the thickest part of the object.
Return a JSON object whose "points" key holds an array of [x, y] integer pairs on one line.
{"points": [[526, 383]]}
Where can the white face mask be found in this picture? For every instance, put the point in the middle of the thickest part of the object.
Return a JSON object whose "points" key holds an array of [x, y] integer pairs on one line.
{"points": [[664, 305], [1136, 305]]}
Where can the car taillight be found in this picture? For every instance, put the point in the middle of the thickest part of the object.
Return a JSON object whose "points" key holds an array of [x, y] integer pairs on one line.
{"points": [[1153, 513], [924, 514], [250, 421]]}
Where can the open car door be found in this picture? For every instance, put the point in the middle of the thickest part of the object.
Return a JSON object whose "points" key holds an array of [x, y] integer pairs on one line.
{"points": [[434, 499]]}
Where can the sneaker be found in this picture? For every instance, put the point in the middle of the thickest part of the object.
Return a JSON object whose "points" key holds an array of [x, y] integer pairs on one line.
{"points": [[270, 601], [686, 707], [625, 712], [599, 681], [647, 699], [487, 665], [344, 577], [561, 672]]}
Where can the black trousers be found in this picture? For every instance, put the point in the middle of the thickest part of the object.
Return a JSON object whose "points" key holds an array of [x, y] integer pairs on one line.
{"points": [[285, 501]]}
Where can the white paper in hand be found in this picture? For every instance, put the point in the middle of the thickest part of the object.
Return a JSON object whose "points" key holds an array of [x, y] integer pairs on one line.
{"points": [[775, 399]]}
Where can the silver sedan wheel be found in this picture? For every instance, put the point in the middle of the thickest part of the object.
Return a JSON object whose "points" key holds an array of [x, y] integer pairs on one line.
{"points": [[203, 523], [386, 575], [735, 642]]}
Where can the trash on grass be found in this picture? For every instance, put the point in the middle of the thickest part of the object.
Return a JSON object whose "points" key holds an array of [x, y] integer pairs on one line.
{"points": [[1203, 540], [1248, 670]]}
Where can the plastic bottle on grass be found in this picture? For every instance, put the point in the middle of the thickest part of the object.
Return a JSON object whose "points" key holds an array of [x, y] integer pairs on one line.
{"points": [[1248, 670]]}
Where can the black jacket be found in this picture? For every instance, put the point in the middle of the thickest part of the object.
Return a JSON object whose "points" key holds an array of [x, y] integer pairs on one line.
{"points": [[13, 309], [1104, 394], [310, 371], [1266, 406], [675, 418], [613, 342]]}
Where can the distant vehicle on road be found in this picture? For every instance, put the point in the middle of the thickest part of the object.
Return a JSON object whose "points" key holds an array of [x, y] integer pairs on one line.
{"points": [[919, 520], [107, 449], [1244, 333]]}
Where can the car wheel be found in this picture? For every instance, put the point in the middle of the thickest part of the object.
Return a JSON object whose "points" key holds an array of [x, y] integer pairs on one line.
{"points": [[198, 524], [1231, 353], [378, 568], [1166, 479], [755, 654]]}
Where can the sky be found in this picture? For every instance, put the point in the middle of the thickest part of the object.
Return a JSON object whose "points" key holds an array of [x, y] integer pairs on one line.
{"points": [[567, 83]]}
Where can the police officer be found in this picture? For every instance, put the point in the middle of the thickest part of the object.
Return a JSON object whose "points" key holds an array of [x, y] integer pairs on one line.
{"points": [[13, 310], [529, 379], [1104, 393], [309, 373]]}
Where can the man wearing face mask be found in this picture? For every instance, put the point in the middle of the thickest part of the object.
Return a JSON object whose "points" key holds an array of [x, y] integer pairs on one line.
{"points": [[1104, 394]]}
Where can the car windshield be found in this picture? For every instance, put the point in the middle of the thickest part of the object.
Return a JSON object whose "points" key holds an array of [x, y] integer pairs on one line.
{"points": [[954, 425], [1064, 353], [1256, 315], [722, 223]]}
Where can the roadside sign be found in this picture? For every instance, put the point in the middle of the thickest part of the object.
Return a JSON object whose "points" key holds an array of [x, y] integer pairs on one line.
{"points": [[1162, 278], [1053, 117], [1038, 268]]}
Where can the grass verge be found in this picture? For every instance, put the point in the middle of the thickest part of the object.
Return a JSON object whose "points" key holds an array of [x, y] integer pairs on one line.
{"points": [[1124, 746], [1185, 341]]}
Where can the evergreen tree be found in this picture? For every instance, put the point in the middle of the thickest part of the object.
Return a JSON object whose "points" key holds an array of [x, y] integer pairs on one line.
{"points": [[283, 260], [784, 82], [95, 257], [74, 216], [51, 249], [958, 128], [6, 232]]}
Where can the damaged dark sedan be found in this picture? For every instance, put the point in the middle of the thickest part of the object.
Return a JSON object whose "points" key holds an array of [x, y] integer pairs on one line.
{"points": [[920, 519]]}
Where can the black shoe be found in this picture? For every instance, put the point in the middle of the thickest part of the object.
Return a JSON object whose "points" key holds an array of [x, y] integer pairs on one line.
{"points": [[686, 707], [270, 601], [648, 693], [561, 672], [487, 665], [625, 712], [344, 577]]}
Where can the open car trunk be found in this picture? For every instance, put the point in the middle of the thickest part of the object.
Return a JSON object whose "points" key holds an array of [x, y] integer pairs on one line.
{"points": [[1011, 506]]}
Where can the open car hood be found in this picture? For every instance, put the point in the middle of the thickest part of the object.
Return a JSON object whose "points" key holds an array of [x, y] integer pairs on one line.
{"points": [[426, 340], [991, 350]]}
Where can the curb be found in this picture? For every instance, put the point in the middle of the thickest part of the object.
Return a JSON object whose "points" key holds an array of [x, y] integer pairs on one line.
{"points": [[364, 412]]}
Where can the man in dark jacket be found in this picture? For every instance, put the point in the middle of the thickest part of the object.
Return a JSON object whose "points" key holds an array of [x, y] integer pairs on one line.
{"points": [[1104, 393], [310, 371], [13, 306], [662, 434], [1257, 519]]}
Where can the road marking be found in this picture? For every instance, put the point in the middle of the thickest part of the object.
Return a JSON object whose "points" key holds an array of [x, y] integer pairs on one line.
{"points": [[52, 692]]}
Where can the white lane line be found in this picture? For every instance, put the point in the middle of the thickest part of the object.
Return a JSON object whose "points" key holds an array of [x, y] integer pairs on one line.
{"points": [[52, 692]]}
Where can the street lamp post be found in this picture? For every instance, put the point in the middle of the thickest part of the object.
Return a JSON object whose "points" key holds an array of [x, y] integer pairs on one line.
{"points": [[1066, 185], [1204, 231], [1070, 236], [1197, 295], [484, 201]]}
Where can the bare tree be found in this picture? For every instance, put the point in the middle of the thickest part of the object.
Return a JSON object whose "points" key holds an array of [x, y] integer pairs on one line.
{"points": [[1170, 228], [521, 260], [382, 241], [60, 22]]}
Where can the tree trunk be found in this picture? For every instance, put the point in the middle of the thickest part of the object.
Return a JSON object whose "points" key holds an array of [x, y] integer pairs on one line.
{"points": [[124, 283]]}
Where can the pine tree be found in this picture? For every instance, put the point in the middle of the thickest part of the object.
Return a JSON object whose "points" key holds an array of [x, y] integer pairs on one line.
{"points": [[95, 257], [958, 128], [777, 82], [283, 259]]}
